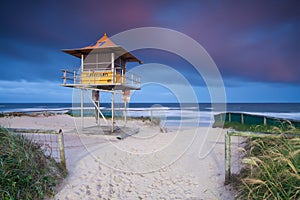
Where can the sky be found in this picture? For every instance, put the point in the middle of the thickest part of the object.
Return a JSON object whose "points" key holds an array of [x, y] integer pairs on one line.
{"points": [[255, 45]]}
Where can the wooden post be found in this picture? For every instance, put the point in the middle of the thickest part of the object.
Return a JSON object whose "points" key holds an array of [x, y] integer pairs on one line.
{"points": [[113, 66], [227, 158], [242, 118], [82, 57], [62, 149], [151, 116], [265, 121], [125, 113], [112, 111], [81, 109], [229, 116], [99, 110], [95, 99]]}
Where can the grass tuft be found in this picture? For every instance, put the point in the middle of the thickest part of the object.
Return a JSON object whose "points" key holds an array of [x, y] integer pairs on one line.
{"points": [[271, 167], [25, 171]]}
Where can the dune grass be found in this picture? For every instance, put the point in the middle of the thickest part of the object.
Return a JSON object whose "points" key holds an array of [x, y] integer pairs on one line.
{"points": [[271, 166], [283, 127], [25, 171]]}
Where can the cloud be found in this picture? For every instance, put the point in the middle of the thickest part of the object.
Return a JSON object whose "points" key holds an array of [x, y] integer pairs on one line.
{"points": [[22, 60], [24, 91], [242, 37], [250, 41], [247, 39]]}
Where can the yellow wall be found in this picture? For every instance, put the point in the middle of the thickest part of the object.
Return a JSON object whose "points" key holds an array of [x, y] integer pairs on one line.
{"points": [[101, 78]]}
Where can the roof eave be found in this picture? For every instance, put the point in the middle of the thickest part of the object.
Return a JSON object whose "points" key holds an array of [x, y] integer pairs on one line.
{"points": [[118, 49]]}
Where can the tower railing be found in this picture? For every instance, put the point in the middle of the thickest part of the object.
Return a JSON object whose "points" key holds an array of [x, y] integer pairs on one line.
{"points": [[73, 77]]}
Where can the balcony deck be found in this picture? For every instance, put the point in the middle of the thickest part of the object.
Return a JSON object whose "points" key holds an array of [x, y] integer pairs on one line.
{"points": [[102, 80]]}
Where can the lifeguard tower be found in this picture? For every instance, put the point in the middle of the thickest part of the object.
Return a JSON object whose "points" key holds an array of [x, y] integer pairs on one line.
{"points": [[103, 68]]}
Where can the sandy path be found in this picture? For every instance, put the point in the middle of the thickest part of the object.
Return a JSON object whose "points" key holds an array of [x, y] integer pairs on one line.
{"points": [[138, 168], [186, 164]]}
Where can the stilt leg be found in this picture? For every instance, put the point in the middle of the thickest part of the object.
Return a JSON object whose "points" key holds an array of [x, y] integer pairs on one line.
{"points": [[112, 111], [82, 108], [125, 113]]}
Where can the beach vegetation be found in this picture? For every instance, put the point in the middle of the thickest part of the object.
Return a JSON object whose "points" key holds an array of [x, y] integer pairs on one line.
{"points": [[285, 126], [154, 120], [25, 171], [271, 166]]}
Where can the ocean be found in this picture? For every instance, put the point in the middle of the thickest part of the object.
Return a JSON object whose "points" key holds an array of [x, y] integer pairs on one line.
{"points": [[171, 114]]}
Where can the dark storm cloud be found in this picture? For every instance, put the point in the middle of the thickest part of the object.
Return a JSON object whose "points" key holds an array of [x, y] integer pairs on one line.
{"points": [[256, 40], [251, 40]]}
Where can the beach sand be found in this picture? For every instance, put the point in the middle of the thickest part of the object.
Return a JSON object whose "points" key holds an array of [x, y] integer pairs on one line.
{"points": [[187, 163]]}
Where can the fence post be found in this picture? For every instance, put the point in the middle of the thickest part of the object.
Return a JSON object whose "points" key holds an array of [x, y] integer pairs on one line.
{"points": [[62, 149], [227, 158], [242, 118], [151, 116], [265, 121], [229, 116]]}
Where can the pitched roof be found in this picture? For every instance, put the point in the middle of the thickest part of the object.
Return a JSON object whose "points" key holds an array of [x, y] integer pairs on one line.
{"points": [[104, 44]]}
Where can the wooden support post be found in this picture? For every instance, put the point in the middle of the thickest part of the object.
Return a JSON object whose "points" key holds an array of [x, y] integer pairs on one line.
{"points": [[62, 149], [81, 108], [95, 99], [99, 110], [82, 58], [242, 118], [227, 158], [125, 113], [229, 116], [151, 116], [112, 111], [265, 121], [113, 67]]}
